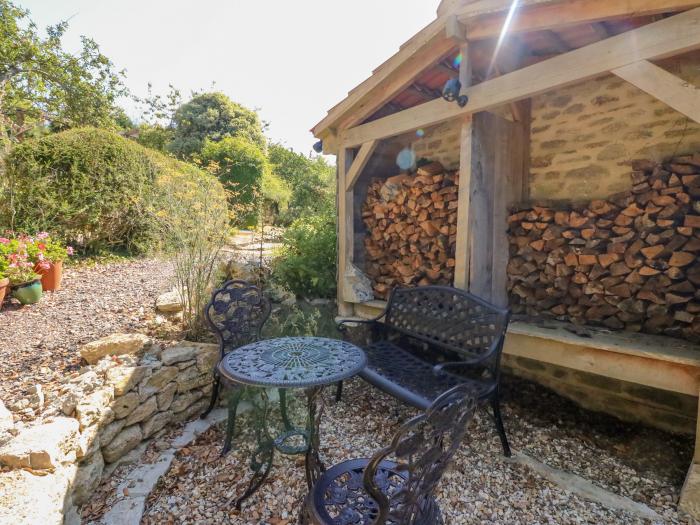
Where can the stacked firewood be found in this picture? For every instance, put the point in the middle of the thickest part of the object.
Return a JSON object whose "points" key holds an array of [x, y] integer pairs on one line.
{"points": [[411, 225], [629, 262]]}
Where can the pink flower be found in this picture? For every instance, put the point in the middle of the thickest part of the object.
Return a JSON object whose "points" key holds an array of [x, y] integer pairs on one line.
{"points": [[44, 265], [69, 250], [41, 246], [42, 235], [4, 240]]}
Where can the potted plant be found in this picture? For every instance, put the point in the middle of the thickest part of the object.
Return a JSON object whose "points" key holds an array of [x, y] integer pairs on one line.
{"points": [[48, 256], [25, 282], [4, 281]]}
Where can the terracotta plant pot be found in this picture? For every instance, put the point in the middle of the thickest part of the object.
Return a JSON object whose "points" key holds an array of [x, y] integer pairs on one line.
{"points": [[4, 285], [51, 278], [28, 293]]}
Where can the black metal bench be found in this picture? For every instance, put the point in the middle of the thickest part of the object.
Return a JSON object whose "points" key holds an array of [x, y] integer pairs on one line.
{"points": [[429, 339]]}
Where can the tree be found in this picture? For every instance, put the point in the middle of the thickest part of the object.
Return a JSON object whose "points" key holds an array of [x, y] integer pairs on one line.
{"points": [[312, 181], [213, 117], [240, 166], [41, 83]]}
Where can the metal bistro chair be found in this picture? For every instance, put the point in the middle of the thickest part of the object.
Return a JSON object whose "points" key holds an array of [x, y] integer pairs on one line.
{"points": [[377, 491], [236, 313]]}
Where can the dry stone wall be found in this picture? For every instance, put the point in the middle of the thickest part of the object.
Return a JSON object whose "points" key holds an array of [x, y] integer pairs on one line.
{"points": [[133, 390]]}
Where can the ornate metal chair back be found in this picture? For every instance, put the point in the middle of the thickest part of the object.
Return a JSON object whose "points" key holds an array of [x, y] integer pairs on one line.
{"points": [[236, 313], [454, 319], [423, 448]]}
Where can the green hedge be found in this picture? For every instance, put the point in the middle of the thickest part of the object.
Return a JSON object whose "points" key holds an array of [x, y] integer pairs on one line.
{"points": [[95, 188]]}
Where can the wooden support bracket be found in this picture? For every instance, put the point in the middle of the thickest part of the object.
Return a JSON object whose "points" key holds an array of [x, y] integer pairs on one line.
{"points": [[668, 88], [359, 163]]}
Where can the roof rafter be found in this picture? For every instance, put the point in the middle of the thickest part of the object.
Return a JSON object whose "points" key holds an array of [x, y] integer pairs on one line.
{"points": [[667, 37]]}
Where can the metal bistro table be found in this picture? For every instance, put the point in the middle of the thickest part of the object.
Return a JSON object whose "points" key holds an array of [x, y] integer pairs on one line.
{"points": [[309, 363]]}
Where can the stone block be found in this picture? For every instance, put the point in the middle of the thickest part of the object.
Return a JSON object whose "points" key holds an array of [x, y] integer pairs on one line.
{"points": [[179, 353], [125, 405], [169, 302], [43, 446], [87, 478], [124, 442], [108, 433], [158, 379], [207, 357], [6, 423], [95, 408], [182, 401], [166, 396], [142, 411], [192, 411], [125, 378], [155, 423], [88, 441], [115, 344], [196, 382]]}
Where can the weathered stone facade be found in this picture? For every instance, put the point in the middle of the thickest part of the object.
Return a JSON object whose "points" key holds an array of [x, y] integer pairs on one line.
{"points": [[439, 143], [585, 136]]}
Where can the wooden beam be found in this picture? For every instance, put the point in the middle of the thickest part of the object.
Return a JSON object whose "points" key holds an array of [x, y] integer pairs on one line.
{"points": [[668, 88], [455, 29], [424, 91], [562, 14], [345, 228], [462, 248], [601, 30], [361, 160], [461, 279], [668, 37]]}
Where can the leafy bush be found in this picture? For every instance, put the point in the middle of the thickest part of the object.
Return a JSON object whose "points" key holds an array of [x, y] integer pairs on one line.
{"points": [[312, 182], [306, 264], [96, 189], [213, 117], [240, 165]]}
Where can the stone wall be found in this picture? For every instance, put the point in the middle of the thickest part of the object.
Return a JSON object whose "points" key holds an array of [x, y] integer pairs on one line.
{"points": [[439, 143], [585, 136], [630, 402], [131, 391]]}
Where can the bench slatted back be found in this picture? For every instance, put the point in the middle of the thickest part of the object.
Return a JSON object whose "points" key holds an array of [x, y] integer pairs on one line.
{"points": [[449, 318]]}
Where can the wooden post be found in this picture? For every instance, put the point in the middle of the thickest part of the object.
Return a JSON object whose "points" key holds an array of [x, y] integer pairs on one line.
{"points": [[345, 227], [690, 493], [461, 279]]}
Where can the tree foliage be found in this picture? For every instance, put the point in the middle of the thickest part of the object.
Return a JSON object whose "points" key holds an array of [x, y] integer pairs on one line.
{"points": [[40, 82], [213, 117], [312, 181]]}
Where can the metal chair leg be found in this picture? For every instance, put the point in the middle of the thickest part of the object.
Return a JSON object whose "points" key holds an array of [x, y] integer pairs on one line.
{"points": [[214, 397], [339, 391], [496, 406], [234, 399]]}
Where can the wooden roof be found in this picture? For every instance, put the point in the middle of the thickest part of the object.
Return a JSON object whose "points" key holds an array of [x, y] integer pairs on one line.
{"points": [[539, 30]]}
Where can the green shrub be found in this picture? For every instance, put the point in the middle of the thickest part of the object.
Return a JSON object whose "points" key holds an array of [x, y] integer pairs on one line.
{"points": [[95, 189], [240, 166], [306, 264]]}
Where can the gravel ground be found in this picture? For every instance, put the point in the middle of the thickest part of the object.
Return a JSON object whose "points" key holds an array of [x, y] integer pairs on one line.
{"points": [[643, 464], [39, 343]]}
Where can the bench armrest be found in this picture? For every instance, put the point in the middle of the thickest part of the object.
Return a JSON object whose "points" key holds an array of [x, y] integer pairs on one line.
{"points": [[342, 324], [437, 369]]}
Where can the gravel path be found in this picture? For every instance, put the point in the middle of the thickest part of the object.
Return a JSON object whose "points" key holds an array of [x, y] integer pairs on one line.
{"points": [[482, 488], [39, 343]]}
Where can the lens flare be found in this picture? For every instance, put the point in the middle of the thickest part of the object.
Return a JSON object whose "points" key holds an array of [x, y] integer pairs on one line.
{"points": [[457, 60], [420, 133], [406, 159]]}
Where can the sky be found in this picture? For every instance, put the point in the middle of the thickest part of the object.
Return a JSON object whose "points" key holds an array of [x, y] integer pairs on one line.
{"points": [[291, 60]]}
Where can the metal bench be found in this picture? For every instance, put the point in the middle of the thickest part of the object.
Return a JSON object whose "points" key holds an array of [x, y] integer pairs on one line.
{"points": [[429, 339]]}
